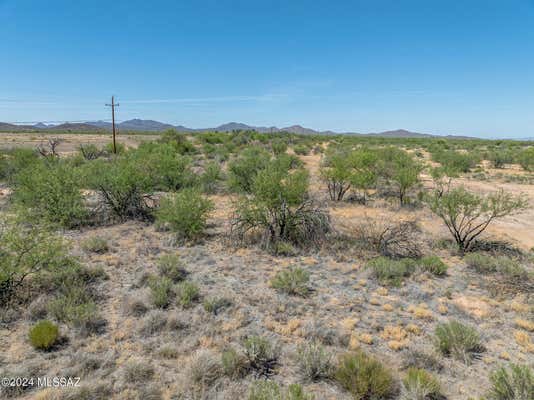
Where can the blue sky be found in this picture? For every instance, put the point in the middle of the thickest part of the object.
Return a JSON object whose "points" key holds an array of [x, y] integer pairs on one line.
{"points": [[458, 67]]}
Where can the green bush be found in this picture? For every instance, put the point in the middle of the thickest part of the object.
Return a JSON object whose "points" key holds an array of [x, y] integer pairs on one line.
{"points": [[279, 210], [76, 307], [15, 160], [243, 170], [214, 305], [457, 340], [484, 264], [209, 180], [185, 213], [261, 355], [500, 157], [337, 172], [364, 377], [314, 361], [123, 186], [434, 265], [513, 383], [44, 335], [187, 293], [301, 150], [460, 162], [95, 244], [234, 365], [170, 266], [467, 214], [526, 159], [278, 146], [27, 251], [292, 281], [391, 272], [178, 141], [161, 291], [51, 192], [420, 385]]}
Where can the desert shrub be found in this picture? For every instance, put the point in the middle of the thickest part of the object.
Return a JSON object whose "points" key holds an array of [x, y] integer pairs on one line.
{"points": [[234, 364], [76, 307], [365, 377], [261, 355], [389, 271], [204, 369], [95, 244], [337, 172], [210, 178], [138, 372], [170, 266], [314, 361], [44, 335], [15, 160], [214, 305], [161, 291], [270, 390], [391, 239], [484, 264], [526, 159], [90, 152], [278, 147], [279, 210], [364, 161], [301, 149], [513, 383], [178, 141], [185, 213], [433, 264], [405, 175], [460, 162], [500, 157], [292, 281], [123, 186], [27, 251], [467, 214], [244, 169], [109, 150], [457, 340], [51, 192], [167, 170], [419, 385], [187, 293]]}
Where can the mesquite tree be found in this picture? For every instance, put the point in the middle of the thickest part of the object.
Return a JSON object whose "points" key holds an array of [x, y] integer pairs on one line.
{"points": [[467, 214]]}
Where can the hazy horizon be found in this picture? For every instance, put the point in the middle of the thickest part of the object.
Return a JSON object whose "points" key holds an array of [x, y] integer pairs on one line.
{"points": [[441, 68]]}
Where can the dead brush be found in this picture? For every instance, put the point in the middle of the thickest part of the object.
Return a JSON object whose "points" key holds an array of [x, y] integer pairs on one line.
{"points": [[398, 239]]}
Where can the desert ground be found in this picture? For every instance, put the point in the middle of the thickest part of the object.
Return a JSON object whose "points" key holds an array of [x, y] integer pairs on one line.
{"points": [[146, 352]]}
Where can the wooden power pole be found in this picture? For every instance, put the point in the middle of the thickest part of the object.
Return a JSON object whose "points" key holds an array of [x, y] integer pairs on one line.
{"points": [[113, 105]]}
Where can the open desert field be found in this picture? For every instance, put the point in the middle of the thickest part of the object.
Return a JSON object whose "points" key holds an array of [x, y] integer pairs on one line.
{"points": [[255, 266]]}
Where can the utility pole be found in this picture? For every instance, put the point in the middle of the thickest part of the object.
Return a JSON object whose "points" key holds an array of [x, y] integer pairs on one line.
{"points": [[113, 105]]}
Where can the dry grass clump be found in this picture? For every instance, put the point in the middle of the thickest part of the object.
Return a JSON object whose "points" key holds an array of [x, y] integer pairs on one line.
{"points": [[420, 360], [204, 369], [270, 390], [214, 305], [458, 340], [171, 266], [95, 244], [138, 372]]}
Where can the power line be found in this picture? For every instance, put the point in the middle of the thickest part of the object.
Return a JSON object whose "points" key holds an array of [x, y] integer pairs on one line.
{"points": [[113, 105], [58, 121]]}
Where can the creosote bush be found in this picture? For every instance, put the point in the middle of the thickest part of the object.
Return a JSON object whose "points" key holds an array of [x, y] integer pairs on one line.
{"points": [[365, 377], [458, 340], [513, 383], [44, 335], [292, 281], [244, 169], [185, 213]]}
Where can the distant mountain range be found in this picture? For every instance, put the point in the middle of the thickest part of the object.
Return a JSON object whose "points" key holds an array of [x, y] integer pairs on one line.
{"points": [[147, 125]]}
